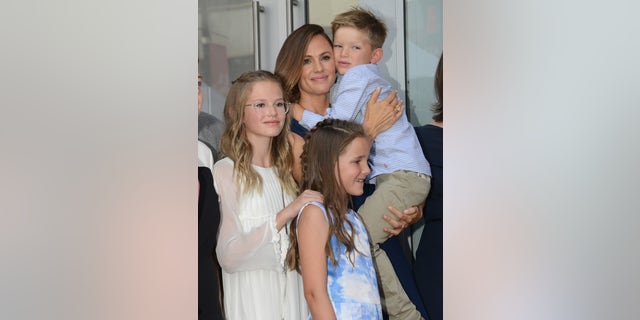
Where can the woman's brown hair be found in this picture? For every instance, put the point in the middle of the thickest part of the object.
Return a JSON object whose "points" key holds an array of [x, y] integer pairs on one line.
{"points": [[291, 57]]}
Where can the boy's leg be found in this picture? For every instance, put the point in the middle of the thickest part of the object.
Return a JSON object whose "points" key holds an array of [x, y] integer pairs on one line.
{"points": [[394, 300], [404, 270], [400, 189]]}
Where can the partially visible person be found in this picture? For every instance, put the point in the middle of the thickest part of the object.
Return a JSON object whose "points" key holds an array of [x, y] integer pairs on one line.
{"points": [[428, 263], [329, 242], [210, 130], [401, 172], [205, 156], [209, 289], [306, 65], [257, 201], [205, 152]]}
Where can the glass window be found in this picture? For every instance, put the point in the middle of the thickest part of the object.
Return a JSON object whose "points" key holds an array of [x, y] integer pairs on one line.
{"points": [[423, 47], [225, 48]]}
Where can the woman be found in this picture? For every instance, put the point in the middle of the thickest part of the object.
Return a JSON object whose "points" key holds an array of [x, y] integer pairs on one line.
{"points": [[429, 253], [306, 65], [308, 80]]}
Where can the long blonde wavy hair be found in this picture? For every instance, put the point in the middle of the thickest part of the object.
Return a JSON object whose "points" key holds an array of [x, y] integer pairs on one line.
{"points": [[235, 145]]}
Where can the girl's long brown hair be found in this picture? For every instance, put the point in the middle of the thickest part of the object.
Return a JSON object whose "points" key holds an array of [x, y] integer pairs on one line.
{"points": [[320, 172], [235, 145]]}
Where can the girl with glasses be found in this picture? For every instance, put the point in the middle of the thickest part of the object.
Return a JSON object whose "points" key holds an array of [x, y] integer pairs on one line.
{"points": [[257, 202]]}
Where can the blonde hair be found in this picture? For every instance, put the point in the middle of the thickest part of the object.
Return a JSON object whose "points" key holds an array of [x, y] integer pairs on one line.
{"points": [[363, 20], [235, 145], [323, 146]]}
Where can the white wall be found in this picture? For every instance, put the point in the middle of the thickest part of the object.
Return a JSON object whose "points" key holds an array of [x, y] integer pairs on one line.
{"points": [[273, 28], [392, 12], [392, 64]]}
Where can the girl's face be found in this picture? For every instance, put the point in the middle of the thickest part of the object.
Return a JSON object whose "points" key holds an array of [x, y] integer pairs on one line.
{"points": [[318, 68], [263, 112], [353, 166]]}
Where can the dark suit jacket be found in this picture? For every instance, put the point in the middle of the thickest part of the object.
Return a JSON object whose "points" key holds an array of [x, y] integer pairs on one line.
{"points": [[209, 288], [428, 264]]}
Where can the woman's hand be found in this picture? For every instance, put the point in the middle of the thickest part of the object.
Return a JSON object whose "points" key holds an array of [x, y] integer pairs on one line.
{"points": [[404, 219], [381, 115]]}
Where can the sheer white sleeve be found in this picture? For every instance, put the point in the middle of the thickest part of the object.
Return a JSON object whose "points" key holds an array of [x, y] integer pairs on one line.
{"points": [[241, 245]]}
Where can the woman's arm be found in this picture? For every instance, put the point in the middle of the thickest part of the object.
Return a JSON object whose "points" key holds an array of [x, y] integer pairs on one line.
{"points": [[403, 219], [381, 115], [313, 233]]}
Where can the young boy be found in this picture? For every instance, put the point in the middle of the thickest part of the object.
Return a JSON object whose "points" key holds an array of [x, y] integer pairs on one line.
{"points": [[402, 174]]}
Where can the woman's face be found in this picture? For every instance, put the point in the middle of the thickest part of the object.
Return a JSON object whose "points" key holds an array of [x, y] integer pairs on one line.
{"points": [[318, 68]]}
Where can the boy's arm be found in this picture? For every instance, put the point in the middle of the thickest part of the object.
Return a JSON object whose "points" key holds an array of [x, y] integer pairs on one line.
{"points": [[350, 98], [310, 118], [313, 233], [355, 91]]}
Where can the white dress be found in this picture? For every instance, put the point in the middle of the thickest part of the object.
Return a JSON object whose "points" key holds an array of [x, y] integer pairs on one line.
{"points": [[251, 252]]}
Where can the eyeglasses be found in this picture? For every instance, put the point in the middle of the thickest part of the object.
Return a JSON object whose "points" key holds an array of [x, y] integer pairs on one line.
{"points": [[280, 105]]}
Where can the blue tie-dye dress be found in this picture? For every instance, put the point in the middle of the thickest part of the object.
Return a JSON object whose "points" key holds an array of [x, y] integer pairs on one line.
{"points": [[352, 287]]}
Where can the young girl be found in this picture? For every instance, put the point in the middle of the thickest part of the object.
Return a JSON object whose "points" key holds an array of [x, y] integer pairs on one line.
{"points": [[256, 192], [329, 243]]}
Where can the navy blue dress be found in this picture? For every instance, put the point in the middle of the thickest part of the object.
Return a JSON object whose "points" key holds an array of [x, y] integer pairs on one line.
{"points": [[297, 128], [428, 264]]}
